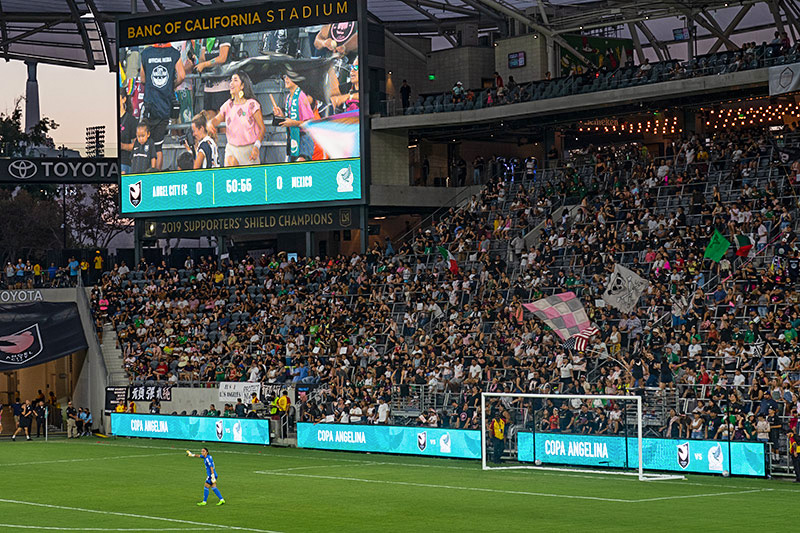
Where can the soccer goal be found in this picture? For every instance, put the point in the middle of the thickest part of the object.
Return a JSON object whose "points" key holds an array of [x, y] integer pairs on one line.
{"points": [[563, 432]]}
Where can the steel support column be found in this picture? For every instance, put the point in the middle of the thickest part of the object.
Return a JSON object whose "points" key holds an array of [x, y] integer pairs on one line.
{"points": [[87, 45]]}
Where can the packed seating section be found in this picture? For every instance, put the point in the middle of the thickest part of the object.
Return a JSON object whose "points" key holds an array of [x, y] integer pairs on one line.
{"points": [[401, 324]]}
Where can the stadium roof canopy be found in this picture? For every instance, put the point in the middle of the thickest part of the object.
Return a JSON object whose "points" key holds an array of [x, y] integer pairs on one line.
{"points": [[80, 33]]}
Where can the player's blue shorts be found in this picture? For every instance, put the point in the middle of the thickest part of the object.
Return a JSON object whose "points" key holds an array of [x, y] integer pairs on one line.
{"points": [[208, 480]]}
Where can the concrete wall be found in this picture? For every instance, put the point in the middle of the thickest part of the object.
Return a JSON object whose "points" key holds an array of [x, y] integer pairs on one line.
{"points": [[81, 375], [188, 399], [405, 66], [468, 64], [535, 58], [389, 158], [390, 195], [93, 378]]}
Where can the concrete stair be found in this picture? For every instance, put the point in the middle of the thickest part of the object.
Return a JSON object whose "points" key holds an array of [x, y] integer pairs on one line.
{"points": [[113, 357]]}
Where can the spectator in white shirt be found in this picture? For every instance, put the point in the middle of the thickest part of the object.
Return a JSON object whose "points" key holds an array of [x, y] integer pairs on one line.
{"points": [[383, 412], [356, 414], [475, 372], [695, 348]]}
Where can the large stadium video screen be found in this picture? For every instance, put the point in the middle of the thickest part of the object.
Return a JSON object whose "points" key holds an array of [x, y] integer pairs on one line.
{"points": [[248, 105]]}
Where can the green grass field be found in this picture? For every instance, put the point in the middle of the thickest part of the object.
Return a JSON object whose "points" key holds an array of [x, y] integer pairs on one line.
{"points": [[150, 485]]}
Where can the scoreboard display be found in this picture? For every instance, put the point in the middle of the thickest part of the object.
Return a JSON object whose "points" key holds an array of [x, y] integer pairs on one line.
{"points": [[289, 183], [245, 105]]}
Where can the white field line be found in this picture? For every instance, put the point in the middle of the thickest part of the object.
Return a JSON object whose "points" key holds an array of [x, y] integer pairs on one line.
{"points": [[56, 528], [686, 496], [271, 452], [131, 515], [84, 459], [501, 491], [450, 487], [302, 468]]}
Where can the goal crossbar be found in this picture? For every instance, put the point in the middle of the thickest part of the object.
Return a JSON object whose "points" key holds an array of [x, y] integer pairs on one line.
{"points": [[637, 399]]}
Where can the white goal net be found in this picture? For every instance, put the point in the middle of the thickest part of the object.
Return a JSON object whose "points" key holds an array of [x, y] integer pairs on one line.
{"points": [[594, 433]]}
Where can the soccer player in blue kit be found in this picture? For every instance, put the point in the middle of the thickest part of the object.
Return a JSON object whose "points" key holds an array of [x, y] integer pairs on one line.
{"points": [[211, 476]]}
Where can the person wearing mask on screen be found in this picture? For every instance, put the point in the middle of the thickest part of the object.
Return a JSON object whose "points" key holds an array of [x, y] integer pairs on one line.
{"points": [[204, 149], [160, 73], [244, 123], [300, 146], [127, 131]]}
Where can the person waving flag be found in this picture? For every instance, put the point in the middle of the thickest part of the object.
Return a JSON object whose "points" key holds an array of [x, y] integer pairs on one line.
{"points": [[211, 476]]}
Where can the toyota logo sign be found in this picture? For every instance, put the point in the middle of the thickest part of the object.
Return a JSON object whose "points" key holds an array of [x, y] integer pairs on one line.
{"points": [[59, 170], [22, 169]]}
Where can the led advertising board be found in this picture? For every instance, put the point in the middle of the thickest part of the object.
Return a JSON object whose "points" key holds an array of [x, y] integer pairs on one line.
{"points": [[200, 428], [612, 451], [439, 442]]}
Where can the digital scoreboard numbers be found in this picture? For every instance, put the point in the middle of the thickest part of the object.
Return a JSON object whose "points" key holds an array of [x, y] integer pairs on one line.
{"points": [[320, 181], [309, 102]]}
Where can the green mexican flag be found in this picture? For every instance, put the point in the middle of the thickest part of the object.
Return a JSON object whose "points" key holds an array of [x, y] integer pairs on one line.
{"points": [[717, 247]]}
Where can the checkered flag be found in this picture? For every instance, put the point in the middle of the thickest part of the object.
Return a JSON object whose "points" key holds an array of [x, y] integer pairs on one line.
{"points": [[563, 313]]}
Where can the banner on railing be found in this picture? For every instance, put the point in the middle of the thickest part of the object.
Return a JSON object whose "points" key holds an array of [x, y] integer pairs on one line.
{"points": [[147, 393], [784, 79], [209, 429], [230, 391], [272, 389], [439, 442], [675, 455]]}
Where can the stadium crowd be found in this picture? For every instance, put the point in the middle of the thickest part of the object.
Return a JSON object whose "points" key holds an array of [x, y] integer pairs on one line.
{"points": [[362, 333], [29, 274]]}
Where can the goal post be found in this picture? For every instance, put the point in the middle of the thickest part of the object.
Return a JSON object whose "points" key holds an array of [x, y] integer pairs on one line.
{"points": [[617, 450]]}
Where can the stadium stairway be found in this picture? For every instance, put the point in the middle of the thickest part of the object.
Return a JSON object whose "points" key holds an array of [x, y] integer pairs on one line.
{"points": [[112, 356]]}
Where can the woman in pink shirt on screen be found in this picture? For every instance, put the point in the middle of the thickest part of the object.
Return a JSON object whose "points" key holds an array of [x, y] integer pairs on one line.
{"points": [[244, 123]]}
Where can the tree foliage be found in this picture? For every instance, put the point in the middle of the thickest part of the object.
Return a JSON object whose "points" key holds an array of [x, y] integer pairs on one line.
{"points": [[14, 140], [29, 226], [93, 215], [32, 216]]}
